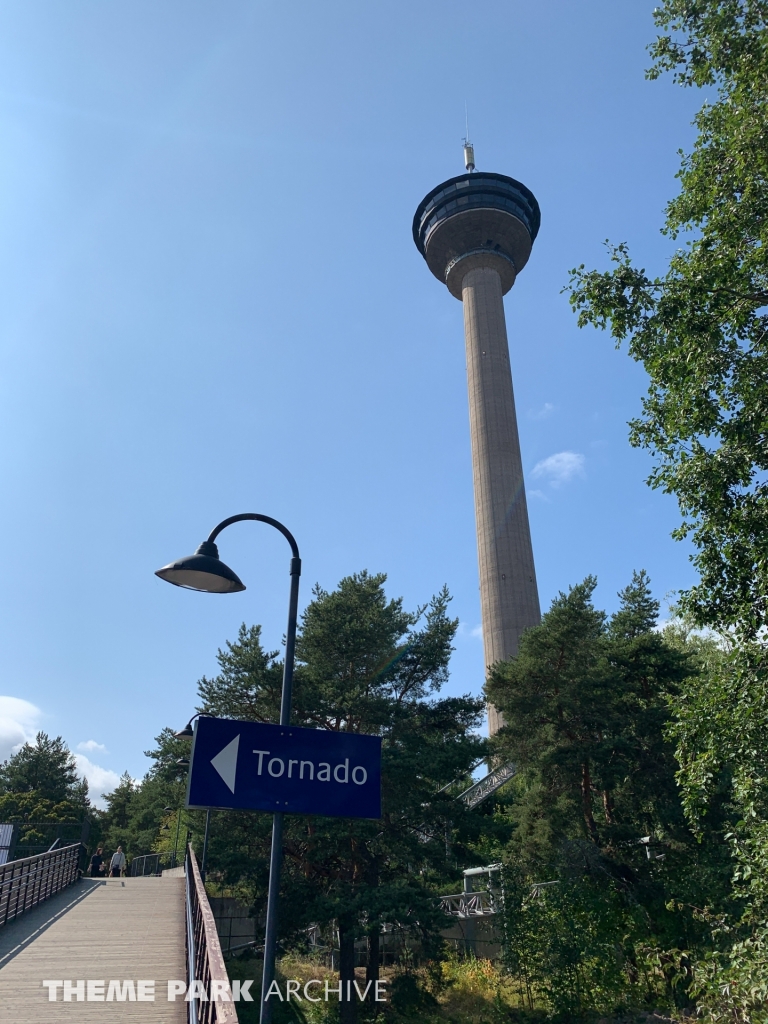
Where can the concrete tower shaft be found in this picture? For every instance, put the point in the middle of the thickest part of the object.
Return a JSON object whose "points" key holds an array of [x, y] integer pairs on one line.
{"points": [[509, 598], [476, 233]]}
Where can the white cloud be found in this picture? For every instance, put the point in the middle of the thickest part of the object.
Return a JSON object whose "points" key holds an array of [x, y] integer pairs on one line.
{"points": [[475, 632], [19, 722], [100, 780], [546, 410], [558, 469], [538, 494], [91, 745]]}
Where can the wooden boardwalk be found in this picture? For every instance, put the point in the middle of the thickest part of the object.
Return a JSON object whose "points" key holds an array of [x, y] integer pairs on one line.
{"points": [[127, 929]]}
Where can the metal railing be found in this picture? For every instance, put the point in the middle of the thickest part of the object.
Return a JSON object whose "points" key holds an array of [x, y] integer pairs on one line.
{"points": [[7, 841], [471, 904], [205, 960], [487, 785], [25, 883], [146, 864]]}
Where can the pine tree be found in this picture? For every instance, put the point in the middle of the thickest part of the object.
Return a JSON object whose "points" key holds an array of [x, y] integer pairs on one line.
{"points": [[364, 665], [586, 702], [136, 810], [46, 768], [554, 697], [596, 807]]}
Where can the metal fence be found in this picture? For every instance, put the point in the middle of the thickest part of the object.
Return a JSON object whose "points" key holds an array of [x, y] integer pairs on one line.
{"points": [[25, 883], [205, 960], [7, 842], [147, 864], [25, 839]]}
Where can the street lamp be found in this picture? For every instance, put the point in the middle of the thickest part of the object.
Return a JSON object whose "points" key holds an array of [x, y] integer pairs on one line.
{"points": [[187, 732], [167, 828], [206, 572], [176, 840]]}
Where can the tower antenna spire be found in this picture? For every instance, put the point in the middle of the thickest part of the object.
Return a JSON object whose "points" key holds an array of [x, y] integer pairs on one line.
{"points": [[469, 149]]}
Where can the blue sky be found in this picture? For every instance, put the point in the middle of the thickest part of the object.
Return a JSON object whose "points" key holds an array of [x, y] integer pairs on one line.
{"points": [[212, 304]]}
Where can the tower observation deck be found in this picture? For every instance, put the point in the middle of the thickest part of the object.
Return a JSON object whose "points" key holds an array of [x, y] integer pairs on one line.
{"points": [[476, 232]]}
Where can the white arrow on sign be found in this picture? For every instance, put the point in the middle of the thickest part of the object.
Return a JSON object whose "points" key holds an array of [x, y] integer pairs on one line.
{"points": [[225, 762]]}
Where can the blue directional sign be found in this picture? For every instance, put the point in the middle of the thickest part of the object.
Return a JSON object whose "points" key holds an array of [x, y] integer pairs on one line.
{"points": [[251, 766]]}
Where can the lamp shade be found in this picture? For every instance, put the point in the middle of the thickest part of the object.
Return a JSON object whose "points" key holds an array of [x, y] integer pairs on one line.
{"points": [[202, 571]]}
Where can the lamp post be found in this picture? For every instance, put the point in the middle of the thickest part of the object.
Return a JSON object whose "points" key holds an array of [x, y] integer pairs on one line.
{"points": [[205, 843], [205, 571], [183, 734], [176, 840]]}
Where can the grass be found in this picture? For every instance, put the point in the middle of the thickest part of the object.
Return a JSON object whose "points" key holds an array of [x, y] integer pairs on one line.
{"points": [[452, 991]]}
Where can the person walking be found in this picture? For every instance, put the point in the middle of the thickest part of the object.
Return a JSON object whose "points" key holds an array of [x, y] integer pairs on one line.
{"points": [[117, 864], [96, 862]]}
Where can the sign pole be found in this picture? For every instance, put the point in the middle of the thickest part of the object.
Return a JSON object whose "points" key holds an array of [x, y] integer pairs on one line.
{"points": [[276, 855], [205, 571], [205, 843]]}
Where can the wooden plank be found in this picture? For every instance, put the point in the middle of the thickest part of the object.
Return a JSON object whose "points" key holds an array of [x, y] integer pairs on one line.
{"points": [[122, 929]]}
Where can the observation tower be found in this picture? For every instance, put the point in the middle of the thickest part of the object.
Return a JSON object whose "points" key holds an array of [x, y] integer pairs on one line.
{"points": [[476, 232]]}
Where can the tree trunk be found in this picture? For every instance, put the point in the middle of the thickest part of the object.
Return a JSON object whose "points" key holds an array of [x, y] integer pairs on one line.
{"points": [[586, 802], [608, 807], [348, 1005], [374, 935], [372, 967]]}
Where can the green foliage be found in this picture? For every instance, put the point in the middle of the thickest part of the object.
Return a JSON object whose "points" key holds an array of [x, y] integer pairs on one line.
{"points": [[596, 809], [588, 704], [721, 730], [700, 329], [249, 683], [362, 658], [475, 991], [26, 808], [46, 769], [585, 704], [580, 945], [136, 812], [453, 990], [40, 784], [364, 665]]}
